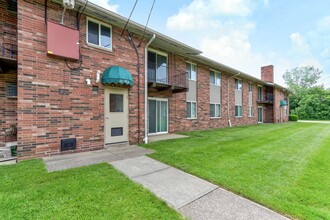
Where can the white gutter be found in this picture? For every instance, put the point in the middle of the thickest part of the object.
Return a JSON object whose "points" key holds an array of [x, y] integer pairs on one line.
{"points": [[146, 89], [228, 114]]}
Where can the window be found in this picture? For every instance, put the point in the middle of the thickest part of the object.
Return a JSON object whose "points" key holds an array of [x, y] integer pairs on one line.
{"points": [[157, 67], [12, 5], [215, 110], [238, 111], [250, 87], [215, 78], [11, 90], [191, 110], [99, 34], [259, 93], [250, 111], [238, 84], [250, 100], [116, 103], [191, 71]]}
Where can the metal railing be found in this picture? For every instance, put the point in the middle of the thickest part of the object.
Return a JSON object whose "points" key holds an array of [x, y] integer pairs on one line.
{"points": [[161, 74]]}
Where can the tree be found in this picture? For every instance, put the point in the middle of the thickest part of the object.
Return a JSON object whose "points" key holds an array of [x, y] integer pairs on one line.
{"points": [[301, 78], [308, 101]]}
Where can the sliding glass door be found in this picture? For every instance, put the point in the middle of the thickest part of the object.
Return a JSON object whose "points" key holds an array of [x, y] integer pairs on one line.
{"points": [[158, 116]]}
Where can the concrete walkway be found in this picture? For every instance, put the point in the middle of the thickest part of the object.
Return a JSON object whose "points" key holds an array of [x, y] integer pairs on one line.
{"points": [[109, 154], [160, 137], [195, 198]]}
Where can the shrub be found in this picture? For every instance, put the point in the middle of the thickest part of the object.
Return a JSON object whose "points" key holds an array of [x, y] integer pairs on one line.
{"points": [[293, 117]]}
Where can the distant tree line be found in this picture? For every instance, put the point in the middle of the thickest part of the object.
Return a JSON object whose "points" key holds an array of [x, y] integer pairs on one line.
{"points": [[307, 100]]}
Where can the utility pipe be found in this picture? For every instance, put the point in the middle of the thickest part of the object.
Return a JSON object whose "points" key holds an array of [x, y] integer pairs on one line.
{"points": [[146, 89], [228, 114]]}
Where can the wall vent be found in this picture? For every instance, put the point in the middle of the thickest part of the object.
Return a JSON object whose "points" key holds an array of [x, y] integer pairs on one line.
{"points": [[68, 144]]}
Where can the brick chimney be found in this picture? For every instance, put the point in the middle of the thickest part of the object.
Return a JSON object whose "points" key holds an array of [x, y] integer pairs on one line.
{"points": [[267, 73]]}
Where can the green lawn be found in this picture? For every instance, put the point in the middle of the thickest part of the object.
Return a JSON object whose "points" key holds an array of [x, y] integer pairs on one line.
{"points": [[283, 166], [27, 191]]}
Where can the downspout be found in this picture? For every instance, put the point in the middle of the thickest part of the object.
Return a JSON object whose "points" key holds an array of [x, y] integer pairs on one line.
{"points": [[228, 114], [146, 89]]}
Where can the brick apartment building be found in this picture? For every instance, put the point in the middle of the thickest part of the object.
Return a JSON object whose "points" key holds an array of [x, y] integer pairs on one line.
{"points": [[80, 85]]}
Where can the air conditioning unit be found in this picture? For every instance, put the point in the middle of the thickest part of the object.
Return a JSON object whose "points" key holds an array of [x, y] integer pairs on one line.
{"points": [[68, 4]]}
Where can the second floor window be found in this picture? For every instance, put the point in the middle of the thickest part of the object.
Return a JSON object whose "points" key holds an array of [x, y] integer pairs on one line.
{"points": [[238, 84], [99, 34], [259, 93], [191, 70], [215, 78]]}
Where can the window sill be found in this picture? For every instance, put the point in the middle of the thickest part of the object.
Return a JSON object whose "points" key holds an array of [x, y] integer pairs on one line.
{"points": [[99, 47], [215, 85], [192, 118], [215, 117], [238, 116]]}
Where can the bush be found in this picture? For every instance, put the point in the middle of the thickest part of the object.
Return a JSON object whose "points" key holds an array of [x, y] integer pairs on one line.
{"points": [[293, 117]]}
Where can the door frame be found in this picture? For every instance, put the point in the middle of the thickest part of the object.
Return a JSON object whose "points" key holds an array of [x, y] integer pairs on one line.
{"points": [[110, 89], [262, 114], [158, 99]]}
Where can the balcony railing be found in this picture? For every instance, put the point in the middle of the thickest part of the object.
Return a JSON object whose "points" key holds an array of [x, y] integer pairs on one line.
{"points": [[268, 99], [163, 76]]}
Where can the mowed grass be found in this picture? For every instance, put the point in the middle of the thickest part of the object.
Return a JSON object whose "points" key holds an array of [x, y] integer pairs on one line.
{"points": [[27, 191], [283, 166]]}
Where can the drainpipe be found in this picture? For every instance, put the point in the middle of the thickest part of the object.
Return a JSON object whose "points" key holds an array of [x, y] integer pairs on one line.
{"points": [[228, 114], [146, 89]]}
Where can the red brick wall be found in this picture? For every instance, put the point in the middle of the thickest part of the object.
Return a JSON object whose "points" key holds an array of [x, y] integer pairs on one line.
{"points": [[279, 112], [54, 102], [267, 73]]}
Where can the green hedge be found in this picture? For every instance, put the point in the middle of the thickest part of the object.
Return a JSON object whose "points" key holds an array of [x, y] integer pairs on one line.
{"points": [[293, 117]]}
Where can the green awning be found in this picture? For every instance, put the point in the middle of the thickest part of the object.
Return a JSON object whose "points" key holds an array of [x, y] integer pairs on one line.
{"points": [[117, 75], [283, 103]]}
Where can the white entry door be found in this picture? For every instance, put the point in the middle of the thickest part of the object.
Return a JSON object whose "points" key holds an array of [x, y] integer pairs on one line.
{"points": [[260, 115], [116, 115]]}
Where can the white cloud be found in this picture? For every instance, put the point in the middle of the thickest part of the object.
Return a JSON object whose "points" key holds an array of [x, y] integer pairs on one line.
{"points": [[105, 4], [299, 44], [200, 14], [324, 24]]}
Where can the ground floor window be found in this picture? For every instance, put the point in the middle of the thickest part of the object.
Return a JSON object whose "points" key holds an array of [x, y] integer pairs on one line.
{"points": [[250, 111], [215, 110], [238, 110], [191, 110]]}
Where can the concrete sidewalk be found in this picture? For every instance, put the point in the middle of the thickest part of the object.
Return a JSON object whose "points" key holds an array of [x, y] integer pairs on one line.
{"points": [[109, 154], [193, 197]]}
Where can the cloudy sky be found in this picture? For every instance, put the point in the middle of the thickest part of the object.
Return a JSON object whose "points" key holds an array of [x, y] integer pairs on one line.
{"points": [[244, 34]]}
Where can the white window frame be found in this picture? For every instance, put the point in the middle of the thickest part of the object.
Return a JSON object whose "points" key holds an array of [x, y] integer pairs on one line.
{"points": [[191, 102], [239, 82], [215, 104], [216, 73], [99, 45], [239, 116], [191, 64]]}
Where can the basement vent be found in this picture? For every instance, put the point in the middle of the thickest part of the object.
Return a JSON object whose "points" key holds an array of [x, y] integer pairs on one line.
{"points": [[68, 144]]}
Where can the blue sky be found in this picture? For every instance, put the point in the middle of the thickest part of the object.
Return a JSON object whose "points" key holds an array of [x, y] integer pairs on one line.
{"points": [[244, 34]]}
